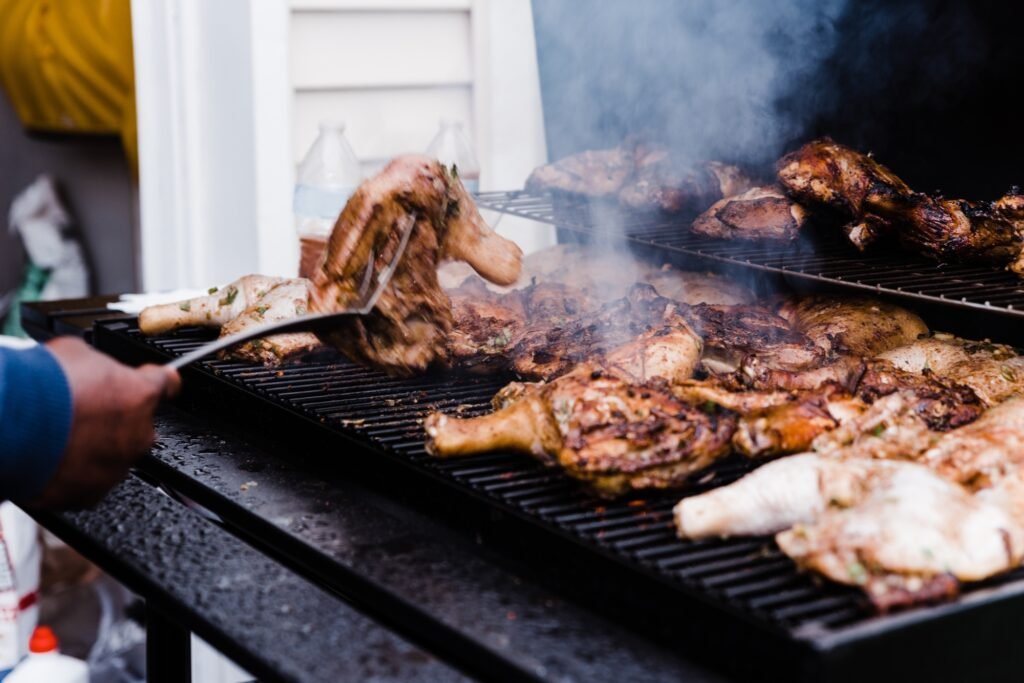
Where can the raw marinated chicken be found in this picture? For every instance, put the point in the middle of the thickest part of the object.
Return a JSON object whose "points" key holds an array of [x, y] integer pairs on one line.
{"points": [[994, 371], [911, 536], [891, 428], [896, 529], [283, 301], [213, 311], [777, 495], [826, 175], [600, 427], [761, 213], [409, 328], [780, 494], [250, 300], [984, 452]]}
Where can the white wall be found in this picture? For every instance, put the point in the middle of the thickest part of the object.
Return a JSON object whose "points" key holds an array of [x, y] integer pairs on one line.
{"points": [[391, 69], [230, 94]]}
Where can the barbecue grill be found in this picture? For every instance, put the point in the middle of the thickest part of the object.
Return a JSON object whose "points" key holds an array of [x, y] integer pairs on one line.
{"points": [[739, 603], [727, 595]]}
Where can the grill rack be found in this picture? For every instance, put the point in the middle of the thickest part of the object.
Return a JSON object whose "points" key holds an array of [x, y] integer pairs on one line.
{"points": [[749, 581], [817, 257]]}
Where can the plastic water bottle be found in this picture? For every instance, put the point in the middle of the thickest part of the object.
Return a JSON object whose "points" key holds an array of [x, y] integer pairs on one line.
{"points": [[451, 148], [327, 177], [46, 663]]}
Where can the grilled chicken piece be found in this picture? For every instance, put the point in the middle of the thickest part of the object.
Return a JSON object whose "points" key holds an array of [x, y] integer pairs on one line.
{"points": [[597, 271], [909, 536], [286, 300], [761, 213], [811, 342], [734, 333], [662, 183], [548, 352], [250, 300], [485, 324], [601, 428], [643, 177], [212, 311], [891, 428], [925, 404], [693, 288], [852, 325], [714, 391], [827, 175], [793, 426], [408, 329], [994, 371], [597, 173]]}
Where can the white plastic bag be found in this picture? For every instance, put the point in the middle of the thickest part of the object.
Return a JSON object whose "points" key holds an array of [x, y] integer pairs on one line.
{"points": [[39, 217]]}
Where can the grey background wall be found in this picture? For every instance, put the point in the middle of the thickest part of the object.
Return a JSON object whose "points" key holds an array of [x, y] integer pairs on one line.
{"points": [[97, 186]]}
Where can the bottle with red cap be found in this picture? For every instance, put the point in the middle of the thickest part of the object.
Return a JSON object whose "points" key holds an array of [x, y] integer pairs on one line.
{"points": [[46, 663]]}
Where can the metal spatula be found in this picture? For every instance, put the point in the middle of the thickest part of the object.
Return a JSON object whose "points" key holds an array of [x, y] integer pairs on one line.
{"points": [[374, 281]]}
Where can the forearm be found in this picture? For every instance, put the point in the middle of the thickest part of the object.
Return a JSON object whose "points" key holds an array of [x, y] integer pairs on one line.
{"points": [[35, 420]]}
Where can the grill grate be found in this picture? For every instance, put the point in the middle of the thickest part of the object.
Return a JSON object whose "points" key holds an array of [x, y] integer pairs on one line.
{"points": [[748, 575], [818, 259]]}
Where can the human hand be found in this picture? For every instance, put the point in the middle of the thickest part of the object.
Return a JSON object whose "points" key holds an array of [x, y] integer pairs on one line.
{"points": [[111, 424]]}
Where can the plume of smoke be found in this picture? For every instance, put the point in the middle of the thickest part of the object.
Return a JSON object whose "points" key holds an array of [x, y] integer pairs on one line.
{"points": [[704, 76]]}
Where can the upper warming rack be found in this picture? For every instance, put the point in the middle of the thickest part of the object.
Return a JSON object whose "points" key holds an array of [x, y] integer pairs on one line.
{"points": [[813, 258]]}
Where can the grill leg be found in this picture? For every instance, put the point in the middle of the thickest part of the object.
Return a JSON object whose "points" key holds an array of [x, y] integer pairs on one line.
{"points": [[168, 650]]}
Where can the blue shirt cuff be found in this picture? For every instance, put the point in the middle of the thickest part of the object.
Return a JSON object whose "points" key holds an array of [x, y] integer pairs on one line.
{"points": [[35, 420]]}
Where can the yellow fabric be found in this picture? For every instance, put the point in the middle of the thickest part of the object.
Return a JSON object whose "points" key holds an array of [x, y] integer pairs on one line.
{"points": [[67, 66]]}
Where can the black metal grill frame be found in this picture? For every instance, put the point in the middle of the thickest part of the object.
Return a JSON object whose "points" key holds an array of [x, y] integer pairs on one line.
{"points": [[819, 257], [815, 630], [748, 583]]}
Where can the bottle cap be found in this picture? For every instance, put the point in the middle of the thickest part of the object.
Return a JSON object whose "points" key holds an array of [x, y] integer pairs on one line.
{"points": [[43, 640]]}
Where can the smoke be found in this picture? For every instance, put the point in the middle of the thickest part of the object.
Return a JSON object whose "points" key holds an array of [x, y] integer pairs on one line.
{"points": [[704, 76]]}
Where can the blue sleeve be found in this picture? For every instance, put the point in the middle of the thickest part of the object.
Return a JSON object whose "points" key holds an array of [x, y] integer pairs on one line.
{"points": [[35, 420]]}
